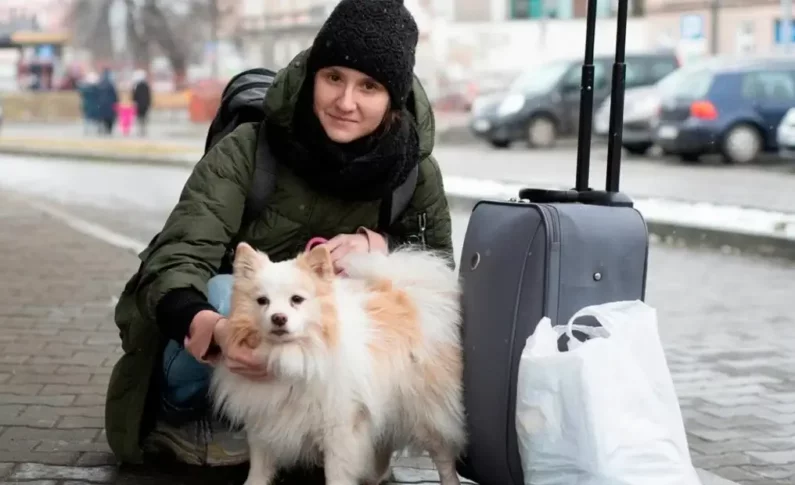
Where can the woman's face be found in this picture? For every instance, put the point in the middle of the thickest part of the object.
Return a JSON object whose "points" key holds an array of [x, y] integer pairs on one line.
{"points": [[348, 103]]}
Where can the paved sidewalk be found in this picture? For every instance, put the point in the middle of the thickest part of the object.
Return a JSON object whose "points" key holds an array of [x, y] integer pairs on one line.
{"points": [[58, 343]]}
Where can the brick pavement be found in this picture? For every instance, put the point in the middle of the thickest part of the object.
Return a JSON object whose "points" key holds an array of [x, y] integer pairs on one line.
{"points": [[729, 348], [58, 344]]}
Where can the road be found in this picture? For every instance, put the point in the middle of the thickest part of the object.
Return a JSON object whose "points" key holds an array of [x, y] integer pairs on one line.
{"points": [[726, 321], [762, 186]]}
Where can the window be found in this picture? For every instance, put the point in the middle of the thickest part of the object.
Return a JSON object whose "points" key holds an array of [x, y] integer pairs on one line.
{"points": [[600, 78], [693, 85], [540, 79], [770, 85], [645, 71], [536, 9]]}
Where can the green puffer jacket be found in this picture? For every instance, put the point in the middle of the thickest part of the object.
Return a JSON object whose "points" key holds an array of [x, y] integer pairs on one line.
{"points": [[189, 250]]}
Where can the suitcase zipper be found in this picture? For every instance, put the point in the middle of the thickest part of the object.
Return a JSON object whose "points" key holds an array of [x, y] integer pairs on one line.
{"points": [[552, 223], [546, 214]]}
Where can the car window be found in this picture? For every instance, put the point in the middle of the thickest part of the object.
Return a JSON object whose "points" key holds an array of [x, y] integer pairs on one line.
{"points": [[692, 85], [645, 71], [600, 79], [770, 85], [541, 78]]}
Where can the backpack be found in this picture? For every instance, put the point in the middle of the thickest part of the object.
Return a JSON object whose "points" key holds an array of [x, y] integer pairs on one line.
{"points": [[242, 102]]}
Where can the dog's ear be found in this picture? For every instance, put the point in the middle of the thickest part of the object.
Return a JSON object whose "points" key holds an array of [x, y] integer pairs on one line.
{"points": [[247, 259], [319, 261]]}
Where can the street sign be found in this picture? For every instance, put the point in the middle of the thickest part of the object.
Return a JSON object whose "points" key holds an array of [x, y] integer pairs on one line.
{"points": [[691, 26], [777, 34]]}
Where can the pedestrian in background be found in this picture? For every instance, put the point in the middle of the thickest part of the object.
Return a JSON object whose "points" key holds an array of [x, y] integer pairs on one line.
{"points": [[142, 97], [89, 97], [107, 98]]}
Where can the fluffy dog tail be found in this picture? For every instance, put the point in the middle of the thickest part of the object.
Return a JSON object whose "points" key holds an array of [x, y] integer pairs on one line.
{"points": [[428, 280]]}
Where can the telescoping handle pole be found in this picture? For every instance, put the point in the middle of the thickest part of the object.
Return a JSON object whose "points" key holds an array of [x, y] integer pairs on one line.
{"points": [[617, 102], [586, 102]]}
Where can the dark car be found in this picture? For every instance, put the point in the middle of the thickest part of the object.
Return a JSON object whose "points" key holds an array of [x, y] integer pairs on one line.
{"points": [[544, 102], [732, 109]]}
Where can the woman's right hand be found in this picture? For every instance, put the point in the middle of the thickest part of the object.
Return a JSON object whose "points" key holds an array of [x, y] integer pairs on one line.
{"points": [[239, 357]]}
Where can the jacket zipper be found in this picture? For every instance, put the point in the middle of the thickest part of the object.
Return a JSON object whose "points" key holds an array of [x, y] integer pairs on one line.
{"points": [[422, 219]]}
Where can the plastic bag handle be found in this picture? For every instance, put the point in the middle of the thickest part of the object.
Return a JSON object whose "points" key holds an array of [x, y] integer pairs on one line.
{"points": [[593, 311]]}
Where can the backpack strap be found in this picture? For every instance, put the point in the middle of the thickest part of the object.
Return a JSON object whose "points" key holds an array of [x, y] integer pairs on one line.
{"points": [[402, 195], [393, 207], [263, 183]]}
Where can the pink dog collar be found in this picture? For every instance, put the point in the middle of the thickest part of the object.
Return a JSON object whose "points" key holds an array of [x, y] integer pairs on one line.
{"points": [[315, 241]]}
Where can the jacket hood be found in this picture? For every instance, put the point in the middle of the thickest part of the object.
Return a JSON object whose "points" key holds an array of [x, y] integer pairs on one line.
{"points": [[282, 96]]}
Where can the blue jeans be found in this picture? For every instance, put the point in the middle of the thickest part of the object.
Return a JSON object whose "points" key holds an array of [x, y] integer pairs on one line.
{"points": [[186, 381]]}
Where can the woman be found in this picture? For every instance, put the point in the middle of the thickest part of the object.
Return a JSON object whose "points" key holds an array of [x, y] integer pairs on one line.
{"points": [[346, 122]]}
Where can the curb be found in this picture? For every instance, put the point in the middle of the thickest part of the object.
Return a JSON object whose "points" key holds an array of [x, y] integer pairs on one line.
{"points": [[753, 232], [188, 160], [759, 232]]}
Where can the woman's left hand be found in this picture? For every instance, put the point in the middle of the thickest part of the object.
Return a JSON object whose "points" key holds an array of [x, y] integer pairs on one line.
{"points": [[344, 244]]}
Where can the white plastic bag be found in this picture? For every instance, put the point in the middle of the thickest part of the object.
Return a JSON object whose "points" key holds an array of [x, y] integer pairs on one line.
{"points": [[605, 412]]}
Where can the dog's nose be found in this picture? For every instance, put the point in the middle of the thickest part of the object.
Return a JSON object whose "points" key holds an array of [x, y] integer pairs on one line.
{"points": [[279, 319]]}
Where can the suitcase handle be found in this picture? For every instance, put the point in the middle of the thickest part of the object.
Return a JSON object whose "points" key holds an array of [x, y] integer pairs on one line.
{"points": [[582, 193], [588, 196], [616, 101]]}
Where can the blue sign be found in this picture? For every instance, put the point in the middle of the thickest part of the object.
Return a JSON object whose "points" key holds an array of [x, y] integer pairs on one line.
{"points": [[45, 52], [777, 31], [691, 26]]}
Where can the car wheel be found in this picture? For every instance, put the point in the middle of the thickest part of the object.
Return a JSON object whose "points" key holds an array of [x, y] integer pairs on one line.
{"points": [[500, 143], [541, 132], [689, 157], [637, 148], [741, 144]]}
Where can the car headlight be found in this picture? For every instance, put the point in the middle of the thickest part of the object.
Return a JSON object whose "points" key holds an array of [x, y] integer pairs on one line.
{"points": [[510, 105]]}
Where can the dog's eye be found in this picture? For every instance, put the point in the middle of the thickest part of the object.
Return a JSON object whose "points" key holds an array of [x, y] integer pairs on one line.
{"points": [[263, 300], [297, 300]]}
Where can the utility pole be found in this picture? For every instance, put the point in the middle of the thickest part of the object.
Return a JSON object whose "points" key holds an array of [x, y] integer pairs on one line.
{"points": [[714, 21], [786, 25]]}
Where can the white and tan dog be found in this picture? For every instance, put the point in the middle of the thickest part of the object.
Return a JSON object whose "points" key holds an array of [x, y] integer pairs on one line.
{"points": [[361, 366]]}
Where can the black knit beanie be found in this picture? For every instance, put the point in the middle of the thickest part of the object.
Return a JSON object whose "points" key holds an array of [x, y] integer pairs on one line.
{"points": [[376, 37]]}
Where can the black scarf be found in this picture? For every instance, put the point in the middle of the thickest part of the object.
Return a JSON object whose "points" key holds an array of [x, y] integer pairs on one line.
{"points": [[369, 168]]}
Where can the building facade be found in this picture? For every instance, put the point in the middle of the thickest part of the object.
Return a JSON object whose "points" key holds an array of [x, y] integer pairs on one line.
{"points": [[699, 27]]}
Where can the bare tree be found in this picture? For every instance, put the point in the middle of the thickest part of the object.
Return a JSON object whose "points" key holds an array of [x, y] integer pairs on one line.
{"points": [[182, 29], [177, 29], [90, 21], [137, 39]]}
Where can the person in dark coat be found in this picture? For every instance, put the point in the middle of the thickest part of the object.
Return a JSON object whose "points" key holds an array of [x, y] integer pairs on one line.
{"points": [[107, 98], [142, 97], [89, 98]]}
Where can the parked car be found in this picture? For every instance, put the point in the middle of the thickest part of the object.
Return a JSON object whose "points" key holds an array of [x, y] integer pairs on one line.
{"points": [[785, 135], [733, 109], [642, 107], [543, 103]]}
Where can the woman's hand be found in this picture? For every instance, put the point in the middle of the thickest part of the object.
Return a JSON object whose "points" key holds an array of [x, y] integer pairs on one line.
{"points": [[239, 357], [200, 335], [364, 241], [209, 329]]}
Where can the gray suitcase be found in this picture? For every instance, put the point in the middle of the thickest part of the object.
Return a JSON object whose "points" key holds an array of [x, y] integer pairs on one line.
{"points": [[547, 253]]}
